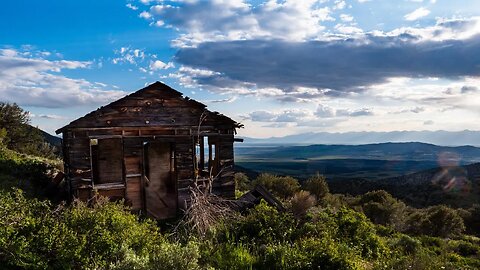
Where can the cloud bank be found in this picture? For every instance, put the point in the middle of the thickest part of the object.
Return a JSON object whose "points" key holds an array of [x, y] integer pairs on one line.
{"points": [[30, 80], [344, 65]]}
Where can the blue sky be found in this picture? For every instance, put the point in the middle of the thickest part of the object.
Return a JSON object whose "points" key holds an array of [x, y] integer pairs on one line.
{"points": [[279, 67]]}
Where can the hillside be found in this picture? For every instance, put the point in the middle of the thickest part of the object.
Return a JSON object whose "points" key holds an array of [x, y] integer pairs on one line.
{"points": [[453, 186], [34, 175], [51, 139]]}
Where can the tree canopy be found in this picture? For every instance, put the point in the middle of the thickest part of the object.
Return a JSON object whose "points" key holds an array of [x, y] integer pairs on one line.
{"points": [[17, 134]]}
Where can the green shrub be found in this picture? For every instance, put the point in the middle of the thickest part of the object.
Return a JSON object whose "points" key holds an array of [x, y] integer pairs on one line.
{"points": [[408, 245], [283, 256], [471, 218], [466, 249], [35, 235], [438, 220], [261, 226], [166, 256], [317, 186], [422, 260], [382, 208], [229, 256], [335, 201], [281, 186], [310, 253], [356, 230]]}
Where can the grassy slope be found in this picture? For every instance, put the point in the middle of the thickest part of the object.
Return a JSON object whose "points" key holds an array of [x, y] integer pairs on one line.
{"points": [[31, 174]]}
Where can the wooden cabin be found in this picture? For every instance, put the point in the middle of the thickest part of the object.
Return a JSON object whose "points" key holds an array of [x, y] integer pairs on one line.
{"points": [[149, 148]]}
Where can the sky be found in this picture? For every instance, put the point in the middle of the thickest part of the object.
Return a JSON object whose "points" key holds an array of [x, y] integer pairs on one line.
{"points": [[278, 67]]}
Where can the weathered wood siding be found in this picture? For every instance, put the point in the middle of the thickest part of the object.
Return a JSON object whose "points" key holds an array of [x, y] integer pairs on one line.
{"points": [[150, 114]]}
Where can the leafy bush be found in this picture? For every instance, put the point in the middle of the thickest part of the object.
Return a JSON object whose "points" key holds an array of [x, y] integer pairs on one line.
{"points": [[263, 225], [438, 220], [471, 218], [311, 253], [229, 256], [408, 244], [382, 208], [281, 186], [35, 235], [466, 249], [166, 256], [317, 186], [359, 232]]}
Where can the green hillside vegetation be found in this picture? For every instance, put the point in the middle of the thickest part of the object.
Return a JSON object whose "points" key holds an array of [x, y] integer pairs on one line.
{"points": [[326, 231]]}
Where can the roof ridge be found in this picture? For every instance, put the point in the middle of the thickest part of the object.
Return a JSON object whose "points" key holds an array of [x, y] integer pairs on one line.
{"points": [[156, 85]]}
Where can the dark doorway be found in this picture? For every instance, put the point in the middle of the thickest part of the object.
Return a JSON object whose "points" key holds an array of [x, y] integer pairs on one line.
{"points": [[159, 182]]}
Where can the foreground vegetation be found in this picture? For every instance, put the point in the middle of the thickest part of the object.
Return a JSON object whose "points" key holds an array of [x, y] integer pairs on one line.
{"points": [[331, 232]]}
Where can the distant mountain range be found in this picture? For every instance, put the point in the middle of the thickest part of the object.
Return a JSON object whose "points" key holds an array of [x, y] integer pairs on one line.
{"points": [[440, 137], [413, 151]]}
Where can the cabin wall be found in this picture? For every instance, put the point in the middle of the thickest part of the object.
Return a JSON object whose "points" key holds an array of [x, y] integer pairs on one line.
{"points": [[78, 163], [226, 186]]}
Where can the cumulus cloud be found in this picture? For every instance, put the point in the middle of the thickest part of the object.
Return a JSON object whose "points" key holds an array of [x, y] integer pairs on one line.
{"points": [[145, 62], [282, 48], [145, 15], [324, 111], [313, 51], [417, 14], [225, 100], [128, 55], [339, 4], [330, 67], [417, 109], [157, 65], [305, 115], [286, 116], [132, 7], [323, 116], [346, 17], [32, 81], [200, 21], [48, 116], [355, 113]]}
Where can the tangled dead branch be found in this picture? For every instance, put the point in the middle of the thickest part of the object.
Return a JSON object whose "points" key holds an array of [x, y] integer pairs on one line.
{"points": [[205, 209]]}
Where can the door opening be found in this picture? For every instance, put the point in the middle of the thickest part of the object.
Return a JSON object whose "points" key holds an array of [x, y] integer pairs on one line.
{"points": [[160, 187]]}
